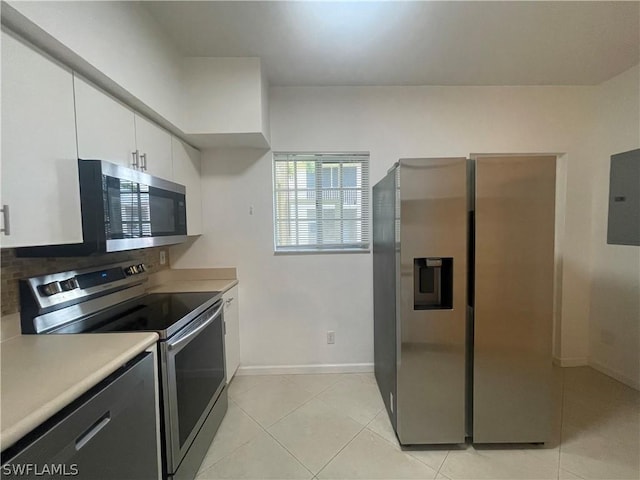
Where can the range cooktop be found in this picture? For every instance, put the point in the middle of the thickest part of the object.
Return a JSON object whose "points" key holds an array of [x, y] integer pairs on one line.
{"points": [[160, 311], [108, 298], [164, 313]]}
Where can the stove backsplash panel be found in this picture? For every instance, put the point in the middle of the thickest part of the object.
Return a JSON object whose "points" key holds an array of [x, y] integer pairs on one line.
{"points": [[14, 268]]}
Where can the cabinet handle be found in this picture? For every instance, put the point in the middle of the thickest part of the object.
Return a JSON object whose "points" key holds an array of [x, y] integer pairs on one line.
{"points": [[93, 430], [143, 162], [6, 229], [135, 163]]}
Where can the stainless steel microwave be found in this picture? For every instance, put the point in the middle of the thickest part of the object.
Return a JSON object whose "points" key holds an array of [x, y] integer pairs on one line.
{"points": [[122, 209]]}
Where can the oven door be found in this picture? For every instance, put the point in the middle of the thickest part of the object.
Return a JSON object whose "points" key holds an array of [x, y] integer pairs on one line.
{"points": [[194, 376]]}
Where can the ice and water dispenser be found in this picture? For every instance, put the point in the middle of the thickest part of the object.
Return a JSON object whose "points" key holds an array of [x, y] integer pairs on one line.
{"points": [[432, 283]]}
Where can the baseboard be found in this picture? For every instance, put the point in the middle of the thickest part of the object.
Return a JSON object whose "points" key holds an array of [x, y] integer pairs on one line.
{"points": [[302, 369], [633, 383], [571, 361]]}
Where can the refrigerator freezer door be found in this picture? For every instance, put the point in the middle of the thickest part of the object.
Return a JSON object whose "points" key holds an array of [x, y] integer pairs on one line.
{"points": [[431, 341], [514, 268]]}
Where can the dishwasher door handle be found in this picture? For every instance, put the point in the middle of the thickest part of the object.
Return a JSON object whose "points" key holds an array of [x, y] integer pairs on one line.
{"points": [[93, 430]]}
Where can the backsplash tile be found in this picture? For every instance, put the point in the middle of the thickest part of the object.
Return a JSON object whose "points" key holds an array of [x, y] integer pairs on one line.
{"points": [[13, 268]]}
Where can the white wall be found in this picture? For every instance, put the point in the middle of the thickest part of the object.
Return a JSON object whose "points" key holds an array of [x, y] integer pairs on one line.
{"points": [[614, 345], [223, 95], [120, 40], [289, 302]]}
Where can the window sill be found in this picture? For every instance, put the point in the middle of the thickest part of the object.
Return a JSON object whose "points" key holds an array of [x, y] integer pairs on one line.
{"points": [[317, 251]]}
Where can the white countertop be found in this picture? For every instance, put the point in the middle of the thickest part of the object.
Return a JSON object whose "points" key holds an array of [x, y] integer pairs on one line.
{"points": [[42, 374]]}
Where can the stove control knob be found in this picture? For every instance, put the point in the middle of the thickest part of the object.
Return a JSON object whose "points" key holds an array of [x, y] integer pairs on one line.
{"points": [[141, 268], [69, 284], [51, 288]]}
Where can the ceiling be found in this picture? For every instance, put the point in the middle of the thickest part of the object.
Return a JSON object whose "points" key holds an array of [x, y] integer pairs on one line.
{"points": [[413, 43]]}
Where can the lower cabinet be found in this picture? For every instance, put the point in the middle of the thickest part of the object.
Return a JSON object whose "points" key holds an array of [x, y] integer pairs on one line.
{"points": [[232, 332], [108, 433]]}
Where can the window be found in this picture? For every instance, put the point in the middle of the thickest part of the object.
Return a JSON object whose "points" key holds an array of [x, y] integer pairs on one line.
{"points": [[321, 201]]}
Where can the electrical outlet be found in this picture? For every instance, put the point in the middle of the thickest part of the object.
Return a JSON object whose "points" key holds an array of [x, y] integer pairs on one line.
{"points": [[163, 257], [331, 337]]}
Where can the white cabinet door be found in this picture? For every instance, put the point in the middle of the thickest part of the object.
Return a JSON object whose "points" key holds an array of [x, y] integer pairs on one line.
{"points": [[186, 171], [154, 145], [106, 128], [232, 334], [39, 155]]}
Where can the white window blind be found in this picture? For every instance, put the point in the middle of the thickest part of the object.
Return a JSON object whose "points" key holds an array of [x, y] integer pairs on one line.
{"points": [[321, 201]]}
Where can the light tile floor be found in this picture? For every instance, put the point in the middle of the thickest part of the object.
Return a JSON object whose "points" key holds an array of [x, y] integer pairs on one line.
{"points": [[335, 427]]}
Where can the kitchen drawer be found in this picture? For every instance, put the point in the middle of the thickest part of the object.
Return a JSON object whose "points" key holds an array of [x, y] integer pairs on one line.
{"points": [[110, 432]]}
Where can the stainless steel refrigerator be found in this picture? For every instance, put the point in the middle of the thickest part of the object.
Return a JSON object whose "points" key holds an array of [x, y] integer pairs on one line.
{"points": [[463, 262]]}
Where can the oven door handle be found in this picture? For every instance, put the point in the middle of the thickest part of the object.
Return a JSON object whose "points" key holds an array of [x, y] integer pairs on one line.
{"points": [[180, 342]]}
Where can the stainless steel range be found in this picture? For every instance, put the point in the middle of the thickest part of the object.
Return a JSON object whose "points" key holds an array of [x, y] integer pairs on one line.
{"points": [[112, 298]]}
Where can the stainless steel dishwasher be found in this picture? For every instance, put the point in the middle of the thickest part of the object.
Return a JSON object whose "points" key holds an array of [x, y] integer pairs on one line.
{"points": [[110, 432]]}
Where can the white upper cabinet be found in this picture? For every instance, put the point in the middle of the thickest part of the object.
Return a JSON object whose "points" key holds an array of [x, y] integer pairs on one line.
{"points": [[210, 101], [39, 154], [106, 128], [186, 171], [111, 131], [154, 149]]}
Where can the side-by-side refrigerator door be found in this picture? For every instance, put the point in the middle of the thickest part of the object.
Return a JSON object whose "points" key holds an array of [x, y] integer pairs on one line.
{"points": [[514, 271], [433, 299]]}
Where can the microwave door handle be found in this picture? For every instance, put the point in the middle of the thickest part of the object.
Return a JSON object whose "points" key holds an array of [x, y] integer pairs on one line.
{"points": [[182, 341]]}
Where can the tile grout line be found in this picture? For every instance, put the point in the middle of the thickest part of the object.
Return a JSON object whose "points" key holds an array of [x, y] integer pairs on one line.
{"points": [[442, 464], [269, 434], [314, 396], [244, 443], [399, 447], [241, 445], [280, 419], [301, 405], [350, 441], [329, 406], [297, 408], [290, 453], [345, 446]]}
